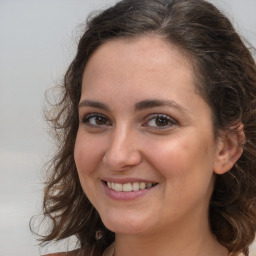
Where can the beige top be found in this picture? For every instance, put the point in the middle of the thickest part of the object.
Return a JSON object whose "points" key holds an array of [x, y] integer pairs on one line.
{"points": [[111, 249], [108, 252]]}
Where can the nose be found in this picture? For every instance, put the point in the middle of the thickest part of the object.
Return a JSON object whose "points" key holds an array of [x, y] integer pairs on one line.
{"points": [[123, 151]]}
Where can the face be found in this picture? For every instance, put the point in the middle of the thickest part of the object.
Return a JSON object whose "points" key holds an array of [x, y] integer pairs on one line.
{"points": [[145, 149]]}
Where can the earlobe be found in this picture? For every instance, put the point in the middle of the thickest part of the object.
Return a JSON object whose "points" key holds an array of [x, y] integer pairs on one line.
{"points": [[229, 149]]}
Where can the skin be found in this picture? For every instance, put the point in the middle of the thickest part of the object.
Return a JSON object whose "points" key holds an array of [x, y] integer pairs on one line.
{"points": [[178, 151]]}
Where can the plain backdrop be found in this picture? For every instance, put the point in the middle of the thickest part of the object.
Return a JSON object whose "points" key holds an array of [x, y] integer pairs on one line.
{"points": [[37, 42]]}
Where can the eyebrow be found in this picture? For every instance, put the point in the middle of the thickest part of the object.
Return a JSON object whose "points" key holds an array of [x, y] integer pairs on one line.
{"points": [[94, 104], [146, 104], [142, 105]]}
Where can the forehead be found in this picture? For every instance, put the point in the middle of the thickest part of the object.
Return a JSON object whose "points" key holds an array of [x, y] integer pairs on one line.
{"points": [[144, 57], [150, 45]]}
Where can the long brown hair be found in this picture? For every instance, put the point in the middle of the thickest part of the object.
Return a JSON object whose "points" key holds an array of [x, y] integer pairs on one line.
{"points": [[225, 74]]}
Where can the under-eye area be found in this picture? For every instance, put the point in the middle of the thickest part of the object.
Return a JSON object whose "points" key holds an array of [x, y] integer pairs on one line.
{"points": [[129, 186]]}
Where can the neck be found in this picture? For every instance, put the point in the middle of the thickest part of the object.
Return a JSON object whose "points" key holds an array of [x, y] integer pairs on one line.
{"points": [[183, 240]]}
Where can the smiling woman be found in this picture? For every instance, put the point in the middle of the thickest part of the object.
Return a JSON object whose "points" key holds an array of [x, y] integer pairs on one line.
{"points": [[156, 131], [170, 150]]}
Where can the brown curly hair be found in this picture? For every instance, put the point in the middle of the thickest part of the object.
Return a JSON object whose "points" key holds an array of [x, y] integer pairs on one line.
{"points": [[226, 78]]}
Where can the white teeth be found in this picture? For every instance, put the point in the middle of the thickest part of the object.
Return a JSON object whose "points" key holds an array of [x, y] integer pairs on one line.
{"points": [[135, 186], [128, 187], [142, 185], [118, 187]]}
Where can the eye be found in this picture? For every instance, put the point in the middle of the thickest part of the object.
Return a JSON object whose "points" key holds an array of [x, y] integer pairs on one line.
{"points": [[160, 121], [95, 120]]}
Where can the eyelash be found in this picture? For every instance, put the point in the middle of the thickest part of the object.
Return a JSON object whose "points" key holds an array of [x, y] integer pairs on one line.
{"points": [[86, 120], [166, 120]]}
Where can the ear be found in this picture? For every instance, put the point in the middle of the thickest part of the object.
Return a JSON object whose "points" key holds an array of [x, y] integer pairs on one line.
{"points": [[229, 148]]}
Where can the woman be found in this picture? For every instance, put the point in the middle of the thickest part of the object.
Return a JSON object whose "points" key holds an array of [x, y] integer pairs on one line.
{"points": [[156, 131]]}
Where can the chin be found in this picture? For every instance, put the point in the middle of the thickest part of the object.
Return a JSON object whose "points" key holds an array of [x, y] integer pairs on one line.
{"points": [[126, 224]]}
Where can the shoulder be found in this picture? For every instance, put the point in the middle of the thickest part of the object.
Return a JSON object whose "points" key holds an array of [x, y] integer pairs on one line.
{"points": [[83, 252], [71, 253], [77, 252], [56, 254], [59, 254]]}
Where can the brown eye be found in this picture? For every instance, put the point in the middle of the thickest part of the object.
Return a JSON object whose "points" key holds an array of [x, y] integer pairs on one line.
{"points": [[160, 121], [99, 120], [95, 120]]}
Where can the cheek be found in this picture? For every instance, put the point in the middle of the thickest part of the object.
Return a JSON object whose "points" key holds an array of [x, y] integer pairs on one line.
{"points": [[186, 169], [183, 156], [87, 153]]}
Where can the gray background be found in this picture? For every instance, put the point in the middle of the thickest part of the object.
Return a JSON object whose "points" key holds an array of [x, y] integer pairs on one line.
{"points": [[37, 42]]}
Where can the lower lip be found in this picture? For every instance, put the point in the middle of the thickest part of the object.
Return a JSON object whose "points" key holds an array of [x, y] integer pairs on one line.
{"points": [[125, 196]]}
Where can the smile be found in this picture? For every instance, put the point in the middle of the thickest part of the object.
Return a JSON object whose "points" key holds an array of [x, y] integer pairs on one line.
{"points": [[130, 186]]}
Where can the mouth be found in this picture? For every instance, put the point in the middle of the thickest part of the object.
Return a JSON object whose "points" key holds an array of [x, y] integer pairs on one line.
{"points": [[129, 186]]}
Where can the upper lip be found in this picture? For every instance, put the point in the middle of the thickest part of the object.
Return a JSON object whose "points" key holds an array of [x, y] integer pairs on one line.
{"points": [[127, 180]]}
